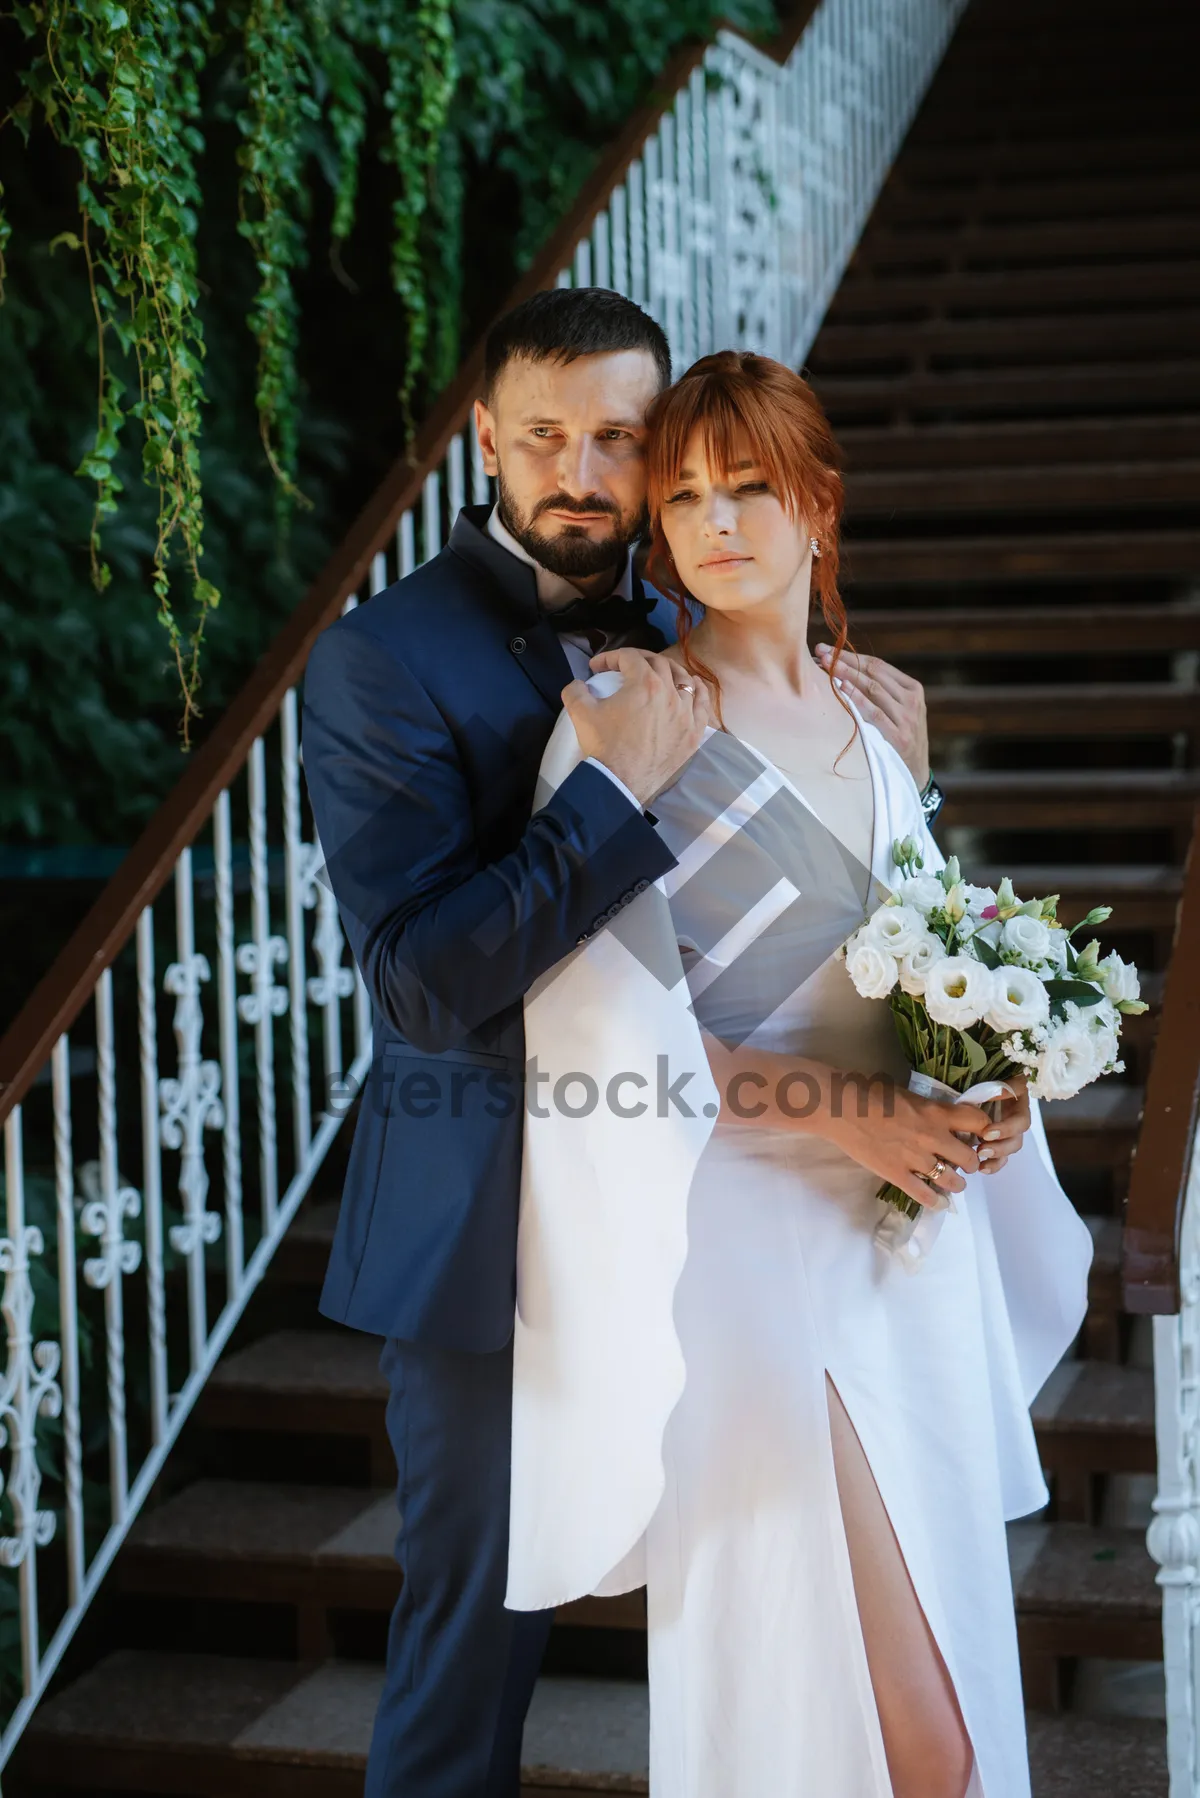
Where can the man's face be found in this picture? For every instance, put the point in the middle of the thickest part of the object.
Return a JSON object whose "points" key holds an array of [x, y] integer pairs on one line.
{"points": [[567, 443]]}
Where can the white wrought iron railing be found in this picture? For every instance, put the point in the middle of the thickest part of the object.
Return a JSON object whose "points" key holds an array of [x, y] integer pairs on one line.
{"points": [[147, 1188], [1161, 1278]]}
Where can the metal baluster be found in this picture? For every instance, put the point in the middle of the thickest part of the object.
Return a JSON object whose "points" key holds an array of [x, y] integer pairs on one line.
{"points": [[289, 737], [29, 1389], [563, 278], [265, 1001], [636, 182], [583, 264], [190, 1105], [600, 256], [379, 575], [406, 546], [68, 1318], [719, 186], [156, 1298], [618, 208], [227, 1012], [431, 516], [104, 1216], [686, 210], [481, 492], [703, 246], [456, 477], [656, 298]]}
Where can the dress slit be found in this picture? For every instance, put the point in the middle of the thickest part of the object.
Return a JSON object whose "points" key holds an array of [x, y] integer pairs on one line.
{"points": [[973, 1788]]}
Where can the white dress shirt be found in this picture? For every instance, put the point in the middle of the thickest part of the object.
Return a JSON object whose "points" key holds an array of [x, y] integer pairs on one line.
{"points": [[555, 589]]}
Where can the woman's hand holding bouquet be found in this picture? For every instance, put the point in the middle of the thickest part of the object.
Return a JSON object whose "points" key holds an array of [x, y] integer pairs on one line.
{"points": [[986, 988]]}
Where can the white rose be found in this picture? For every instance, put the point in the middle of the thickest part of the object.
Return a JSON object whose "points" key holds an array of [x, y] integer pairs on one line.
{"points": [[978, 898], [924, 892], [1027, 937], [1068, 1062], [957, 991], [1019, 1000], [897, 929], [1119, 979], [870, 967], [915, 966]]}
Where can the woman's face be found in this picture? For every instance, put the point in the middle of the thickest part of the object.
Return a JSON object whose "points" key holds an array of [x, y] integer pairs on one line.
{"points": [[729, 532]]}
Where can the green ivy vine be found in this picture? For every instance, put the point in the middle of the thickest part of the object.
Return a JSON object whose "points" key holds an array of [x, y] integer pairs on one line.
{"points": [[466, 101], [118, 83], [119, 86]]}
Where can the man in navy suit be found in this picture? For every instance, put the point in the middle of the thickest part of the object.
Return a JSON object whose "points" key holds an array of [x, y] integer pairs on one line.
{"points": [[426, 712]]}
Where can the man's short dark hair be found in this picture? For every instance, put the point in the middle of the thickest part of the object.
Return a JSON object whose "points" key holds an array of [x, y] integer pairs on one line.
{"points": [[566, 322]]}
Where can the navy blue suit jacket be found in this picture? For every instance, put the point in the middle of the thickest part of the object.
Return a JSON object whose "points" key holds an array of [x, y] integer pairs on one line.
{"points": [[426, 712]]}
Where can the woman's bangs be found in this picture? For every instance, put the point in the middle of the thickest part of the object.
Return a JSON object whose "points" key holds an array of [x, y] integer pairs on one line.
{"points": [[734, 428]]}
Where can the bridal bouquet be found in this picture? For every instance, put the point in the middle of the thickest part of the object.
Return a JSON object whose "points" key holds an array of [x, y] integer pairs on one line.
{"points": [[984, 985]]}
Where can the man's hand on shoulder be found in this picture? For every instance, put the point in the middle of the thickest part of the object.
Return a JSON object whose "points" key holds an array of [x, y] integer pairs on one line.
{"points": [[648, 728], [893, 702]]}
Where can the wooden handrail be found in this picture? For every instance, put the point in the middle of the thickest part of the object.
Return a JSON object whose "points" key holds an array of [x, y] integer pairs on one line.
{"points": [[1162, 1161], [63, 991]]}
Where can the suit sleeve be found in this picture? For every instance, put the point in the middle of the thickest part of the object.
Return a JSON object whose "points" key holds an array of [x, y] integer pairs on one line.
{"points": [[445, 942]]}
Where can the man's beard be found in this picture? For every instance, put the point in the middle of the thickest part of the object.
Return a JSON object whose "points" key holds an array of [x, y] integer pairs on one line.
{"points": [[572, 553]]}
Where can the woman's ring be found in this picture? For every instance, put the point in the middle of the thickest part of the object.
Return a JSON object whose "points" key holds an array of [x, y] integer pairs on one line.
{"points": [[686, 687], [939, 1168]]}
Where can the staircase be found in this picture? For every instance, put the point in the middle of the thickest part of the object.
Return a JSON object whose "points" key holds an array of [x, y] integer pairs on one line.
{"points": [[1012, 364]]}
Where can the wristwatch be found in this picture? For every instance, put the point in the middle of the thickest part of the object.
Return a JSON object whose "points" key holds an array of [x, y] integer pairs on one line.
{"points": [[932, 799]]}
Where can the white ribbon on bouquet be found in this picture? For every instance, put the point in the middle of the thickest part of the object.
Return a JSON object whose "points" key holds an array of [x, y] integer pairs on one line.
{"points": [[909, 1239]]}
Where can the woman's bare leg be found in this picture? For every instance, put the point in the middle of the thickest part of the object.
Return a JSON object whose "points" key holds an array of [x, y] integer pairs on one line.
{"points": [[929, 1753]]}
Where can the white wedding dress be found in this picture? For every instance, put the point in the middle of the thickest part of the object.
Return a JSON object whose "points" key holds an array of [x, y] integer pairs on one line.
{"points": [[680, 1300]]}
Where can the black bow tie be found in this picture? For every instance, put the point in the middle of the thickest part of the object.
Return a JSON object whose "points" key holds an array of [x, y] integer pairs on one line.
{"points": [[611, 616]]}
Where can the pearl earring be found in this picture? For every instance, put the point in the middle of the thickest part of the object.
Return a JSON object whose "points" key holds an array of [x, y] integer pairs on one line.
{"points": [[816, 549]]}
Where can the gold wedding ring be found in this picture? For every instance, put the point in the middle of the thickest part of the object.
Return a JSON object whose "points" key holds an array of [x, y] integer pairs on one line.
{"points": [[939, 1168]]}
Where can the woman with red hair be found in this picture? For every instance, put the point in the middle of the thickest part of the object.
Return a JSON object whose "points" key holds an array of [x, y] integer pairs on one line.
{"points": [[723, 1387]]}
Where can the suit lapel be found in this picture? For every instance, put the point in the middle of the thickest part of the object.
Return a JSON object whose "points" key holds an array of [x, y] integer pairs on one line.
{"points": [[544, 660]]}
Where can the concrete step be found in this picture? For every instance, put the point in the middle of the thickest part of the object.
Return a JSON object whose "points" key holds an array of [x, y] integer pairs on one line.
{"points": [[1087, 710], [1111, 490], [315, 1548], [1094, 390], [1014, 443], [1073, 799], [208, 1727], [1096, 1417], [903, 633], [1021, 555], [1058, 338]]}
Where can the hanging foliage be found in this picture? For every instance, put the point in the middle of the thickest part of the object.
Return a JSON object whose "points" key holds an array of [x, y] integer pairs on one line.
{"points": [[274, 209], [119, 87], [466, 102]]}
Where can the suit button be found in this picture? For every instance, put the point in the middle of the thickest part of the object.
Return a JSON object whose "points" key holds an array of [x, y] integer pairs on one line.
{"points": [[517, 645], [641, 886]]}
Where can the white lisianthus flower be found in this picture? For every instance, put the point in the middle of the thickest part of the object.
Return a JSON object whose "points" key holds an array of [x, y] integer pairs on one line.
{"points": [[955, 903], [958, 991], [1057, 951], [1119, 979], [1027, 937], [1068, 1062], [897, 929], [924, 892], [871, 967], [915, 966], [1019, 1000]]}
